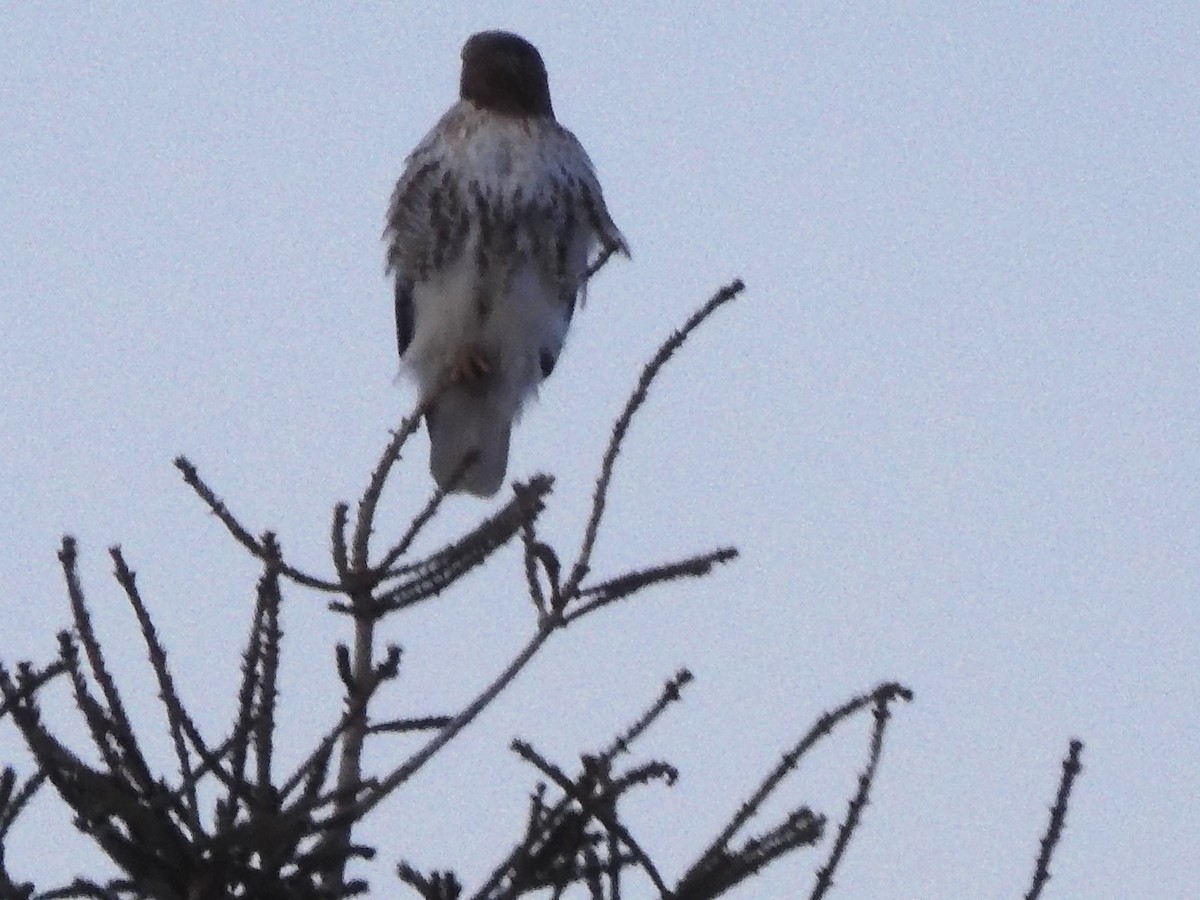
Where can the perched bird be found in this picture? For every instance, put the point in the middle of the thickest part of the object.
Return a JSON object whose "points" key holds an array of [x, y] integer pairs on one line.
{"points": [[490, 232]]}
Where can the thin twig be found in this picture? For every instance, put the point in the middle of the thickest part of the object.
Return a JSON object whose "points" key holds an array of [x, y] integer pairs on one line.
{"points": [[858, 803], [358, 698], [442, 568], [121, 729], [672, 691], [718, 873], [823, 726], [531, 556], [405, 726], [621, 427], [542, 822], [622, 586], [417, 761], [210, 761], [365, 522], [1058, 816], [264, 708], [243, 724], [17, 799], [337, 541], [218, 508], [424, 516], [98, 721], [601, 815], [178, 721], [31, 685]]}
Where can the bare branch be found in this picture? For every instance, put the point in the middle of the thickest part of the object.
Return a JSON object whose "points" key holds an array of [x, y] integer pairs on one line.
{"points": [[823, 726], [671, 693], [405, 726], [596, 810], [883, 698], [358, 698], [337, 541], [178, 721], [417, 761], [31, 685], [421, 519], [1058, 816], [243, 725], [631, 583], [438, 886], [537, 554], [267, 694], [718, 873], [120, 728], [218, 508], [443, 568], [13, 799], [636, 399], [365, 522], [360, 687]]}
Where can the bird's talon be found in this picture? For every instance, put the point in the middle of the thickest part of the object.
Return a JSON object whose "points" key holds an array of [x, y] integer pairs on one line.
{"points": [[472, 366]]}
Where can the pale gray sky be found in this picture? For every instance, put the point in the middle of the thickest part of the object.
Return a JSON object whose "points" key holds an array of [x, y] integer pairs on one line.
{"points": [[952, 426]]}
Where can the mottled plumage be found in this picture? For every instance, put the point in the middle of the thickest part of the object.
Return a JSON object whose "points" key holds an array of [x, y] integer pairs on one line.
{"points": [[489, 234]]}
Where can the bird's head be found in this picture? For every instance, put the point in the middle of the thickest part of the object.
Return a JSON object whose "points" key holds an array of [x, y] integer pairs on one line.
{"points": [[504, 73]]}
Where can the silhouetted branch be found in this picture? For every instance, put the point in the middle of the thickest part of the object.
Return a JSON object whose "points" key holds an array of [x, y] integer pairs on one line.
{"points": [[633, 582], [558, 848], [718, 872], [218, 508], [417, 761], [32, 682], [437, 886], [365, 521], [436, 573], [621, 427], [718, 864], [99, 723], [337, 542], [418, 523], [358, 699], [132, 823], [539, 557], [672, 692], [883, 697], [179, 724], [13, 799], [596, 807], [404, 726], [119, 728], [1058, 816], [243, 722], [266, 694]]}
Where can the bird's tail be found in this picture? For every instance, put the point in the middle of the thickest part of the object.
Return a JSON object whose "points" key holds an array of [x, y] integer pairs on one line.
{"points": [[463, 422]]}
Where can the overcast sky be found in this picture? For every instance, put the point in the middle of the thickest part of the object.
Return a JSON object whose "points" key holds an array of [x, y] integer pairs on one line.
{"points": [[952, 426]]}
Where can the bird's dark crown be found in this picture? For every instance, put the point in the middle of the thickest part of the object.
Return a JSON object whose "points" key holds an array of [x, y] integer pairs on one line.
{"points": [[504, 73]]}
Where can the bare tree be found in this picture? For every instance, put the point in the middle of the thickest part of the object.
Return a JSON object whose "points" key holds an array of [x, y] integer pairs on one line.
{"points": [[292, 834]]}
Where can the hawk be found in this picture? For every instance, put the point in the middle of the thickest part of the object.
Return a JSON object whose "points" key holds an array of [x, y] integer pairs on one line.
{"points": [[489, 236]]}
